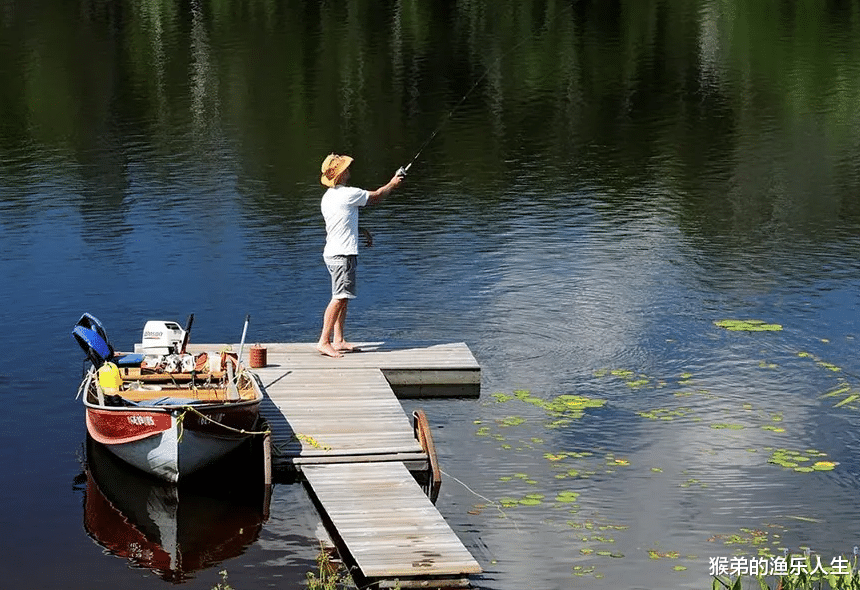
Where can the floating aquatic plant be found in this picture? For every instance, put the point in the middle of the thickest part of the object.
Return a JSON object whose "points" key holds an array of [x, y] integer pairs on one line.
{"points": [[532, 499], [800, 460], [761, 539], [612, 461], [819, 362], [567, 497], [567, 406], [847, 400], [665, 413], [654, 554], [512, 421], [579, 570], [724, 426], [748, 326], [824, 465]]}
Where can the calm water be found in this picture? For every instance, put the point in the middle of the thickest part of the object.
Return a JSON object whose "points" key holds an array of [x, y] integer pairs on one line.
{"points": [[620, 176]]}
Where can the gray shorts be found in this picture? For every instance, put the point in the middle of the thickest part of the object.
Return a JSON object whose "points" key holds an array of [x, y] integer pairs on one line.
{"points": [[342, 270]]}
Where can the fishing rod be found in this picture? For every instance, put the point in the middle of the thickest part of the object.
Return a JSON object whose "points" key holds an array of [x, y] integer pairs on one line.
{"points": [[404, 169]]}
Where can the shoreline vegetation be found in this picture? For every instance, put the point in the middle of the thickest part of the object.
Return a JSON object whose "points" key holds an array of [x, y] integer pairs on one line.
{"points": [[807, 571]]}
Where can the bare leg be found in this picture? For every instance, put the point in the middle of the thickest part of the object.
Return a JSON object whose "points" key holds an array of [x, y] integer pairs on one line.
{"points": [[339, 343], [335, 309]]}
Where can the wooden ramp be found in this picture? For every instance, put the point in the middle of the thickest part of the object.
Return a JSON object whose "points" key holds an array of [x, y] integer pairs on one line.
{"points": [[335, 415], [391, 529]]}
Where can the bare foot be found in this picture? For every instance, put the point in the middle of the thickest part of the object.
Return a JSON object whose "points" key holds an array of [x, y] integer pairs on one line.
{"points": [[328, 350], [343, 346]]}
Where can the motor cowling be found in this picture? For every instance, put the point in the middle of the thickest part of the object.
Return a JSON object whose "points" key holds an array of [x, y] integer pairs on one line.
{"points": [[162, 337]]}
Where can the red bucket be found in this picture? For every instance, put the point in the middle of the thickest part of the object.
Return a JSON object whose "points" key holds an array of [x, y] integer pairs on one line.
{"points": [[257, 356]]}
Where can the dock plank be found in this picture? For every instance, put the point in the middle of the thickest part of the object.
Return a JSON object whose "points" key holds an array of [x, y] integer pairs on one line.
{"points": [[387, 523], [332, 412]]}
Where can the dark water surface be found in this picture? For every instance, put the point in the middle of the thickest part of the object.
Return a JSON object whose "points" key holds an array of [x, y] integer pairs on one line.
{"points": [[620, 176]]}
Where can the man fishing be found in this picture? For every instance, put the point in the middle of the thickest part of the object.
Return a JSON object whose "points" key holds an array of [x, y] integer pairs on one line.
{"points": [[339, 207]]}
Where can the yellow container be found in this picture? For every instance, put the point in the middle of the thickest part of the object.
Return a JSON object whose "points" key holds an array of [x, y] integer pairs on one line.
{"points": [[109, 377]]}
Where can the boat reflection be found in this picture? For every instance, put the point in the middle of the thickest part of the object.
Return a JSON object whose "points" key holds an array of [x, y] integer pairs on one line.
{"points": [[174, 530]]}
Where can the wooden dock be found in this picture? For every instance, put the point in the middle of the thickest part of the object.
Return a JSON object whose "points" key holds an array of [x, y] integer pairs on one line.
{"points": [[392, 530], [339, 423]]}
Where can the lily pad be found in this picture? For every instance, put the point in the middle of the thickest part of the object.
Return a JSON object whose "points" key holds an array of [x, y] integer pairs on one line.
{"points": [[795, 460], [748, 326], [824, 465], [513, 421], [567, 497]]}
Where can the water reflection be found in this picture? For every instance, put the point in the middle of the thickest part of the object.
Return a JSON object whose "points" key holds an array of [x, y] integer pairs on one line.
{"points": [[173, 530], [630, 173]]}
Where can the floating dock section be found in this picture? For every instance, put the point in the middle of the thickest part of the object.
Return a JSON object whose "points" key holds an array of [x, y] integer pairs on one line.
{"points": [[339, 423]]}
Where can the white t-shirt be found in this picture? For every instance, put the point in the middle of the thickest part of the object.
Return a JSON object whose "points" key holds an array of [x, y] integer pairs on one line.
{"points": [[340, 209]]}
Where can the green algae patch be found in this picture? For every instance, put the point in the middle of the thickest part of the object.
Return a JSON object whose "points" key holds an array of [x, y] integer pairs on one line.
{"points": [[748, 326]]}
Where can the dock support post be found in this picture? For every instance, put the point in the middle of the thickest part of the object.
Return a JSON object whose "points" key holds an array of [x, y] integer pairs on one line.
{"points": [[267, 470]]}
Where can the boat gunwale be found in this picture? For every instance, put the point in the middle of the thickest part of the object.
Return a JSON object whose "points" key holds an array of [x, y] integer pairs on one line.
{"points": [[204, 406]]}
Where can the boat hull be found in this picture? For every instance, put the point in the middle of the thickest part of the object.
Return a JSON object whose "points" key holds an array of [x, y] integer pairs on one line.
{"points": [[174, 441]]}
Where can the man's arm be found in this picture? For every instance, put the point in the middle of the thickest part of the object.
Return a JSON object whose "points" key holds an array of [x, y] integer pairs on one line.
{"points": [[376, 196]]}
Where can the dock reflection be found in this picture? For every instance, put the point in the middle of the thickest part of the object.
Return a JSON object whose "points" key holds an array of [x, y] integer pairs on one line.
{"points": [[173, 530]]}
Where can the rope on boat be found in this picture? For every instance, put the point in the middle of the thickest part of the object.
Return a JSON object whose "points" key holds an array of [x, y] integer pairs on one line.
{"points": [[185, 409]]}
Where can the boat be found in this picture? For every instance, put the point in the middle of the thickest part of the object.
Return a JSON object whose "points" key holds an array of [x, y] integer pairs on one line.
{"points": [[175, 530], [162, 409]]}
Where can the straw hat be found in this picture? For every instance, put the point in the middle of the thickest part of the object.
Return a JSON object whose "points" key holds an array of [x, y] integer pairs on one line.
{"points": [[332, 167]]}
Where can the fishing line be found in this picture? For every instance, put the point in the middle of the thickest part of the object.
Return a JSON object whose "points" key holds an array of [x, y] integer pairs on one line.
{"points": [[404, 169]]}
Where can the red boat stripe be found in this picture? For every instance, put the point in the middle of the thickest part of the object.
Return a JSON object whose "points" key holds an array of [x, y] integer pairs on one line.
{"points": [[111, 427]]}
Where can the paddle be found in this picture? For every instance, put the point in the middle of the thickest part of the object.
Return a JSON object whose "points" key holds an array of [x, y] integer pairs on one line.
{"points": [[242, 343]]}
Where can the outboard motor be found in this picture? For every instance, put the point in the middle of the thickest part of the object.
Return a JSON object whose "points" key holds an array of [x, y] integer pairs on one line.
{"points": [[162, 338]]}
